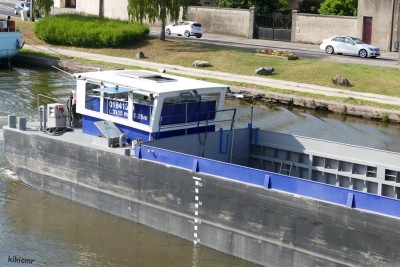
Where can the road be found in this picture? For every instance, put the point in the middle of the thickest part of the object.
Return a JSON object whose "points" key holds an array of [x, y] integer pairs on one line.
{"points": [[7, 8], [388, 59]]}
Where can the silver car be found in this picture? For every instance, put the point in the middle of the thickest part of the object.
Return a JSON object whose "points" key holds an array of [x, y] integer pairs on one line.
{"points": [[25, 6], [349, 45]]}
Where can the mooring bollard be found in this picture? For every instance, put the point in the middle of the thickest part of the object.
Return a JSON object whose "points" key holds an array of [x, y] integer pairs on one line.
{"points": [[12, 121], [21, 123]]}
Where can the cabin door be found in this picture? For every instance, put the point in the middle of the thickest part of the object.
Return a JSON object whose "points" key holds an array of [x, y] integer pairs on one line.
{"points": [[367, 30]]}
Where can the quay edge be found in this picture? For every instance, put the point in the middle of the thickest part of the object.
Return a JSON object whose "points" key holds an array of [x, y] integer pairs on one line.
{"points": [[262, 96]]}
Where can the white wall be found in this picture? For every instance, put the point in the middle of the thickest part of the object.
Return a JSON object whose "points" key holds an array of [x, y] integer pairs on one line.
{"points": [[311, 28]]}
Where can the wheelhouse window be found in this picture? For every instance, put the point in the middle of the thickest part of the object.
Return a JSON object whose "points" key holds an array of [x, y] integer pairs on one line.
{"points": [[189, 107], [116, 104], [92, 97], [142, 108]]}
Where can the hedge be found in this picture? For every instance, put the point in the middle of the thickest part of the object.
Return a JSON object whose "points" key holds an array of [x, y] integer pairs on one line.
{"points": [[89, 31]]}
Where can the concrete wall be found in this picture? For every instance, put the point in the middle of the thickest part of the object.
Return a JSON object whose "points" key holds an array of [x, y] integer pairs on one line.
{"points": [[116, 9], [311, 28], [238, 22], [112, 9], [88, 7], [385, 21]]}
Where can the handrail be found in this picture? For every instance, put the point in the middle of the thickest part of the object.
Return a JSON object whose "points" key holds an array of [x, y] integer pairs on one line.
{"points": [[195, 123], [44, 110]]}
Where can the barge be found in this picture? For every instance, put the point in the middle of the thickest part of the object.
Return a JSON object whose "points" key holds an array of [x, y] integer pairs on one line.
{"points": [[10, 39], [160, 150]]}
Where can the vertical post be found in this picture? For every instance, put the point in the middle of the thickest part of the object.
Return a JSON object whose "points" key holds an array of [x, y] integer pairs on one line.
{"points": [[252, 22], [101, 8], [294, 26], [33, 13]]}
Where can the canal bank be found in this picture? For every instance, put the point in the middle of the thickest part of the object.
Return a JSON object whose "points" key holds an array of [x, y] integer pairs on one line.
{"points": [[345, 107]]}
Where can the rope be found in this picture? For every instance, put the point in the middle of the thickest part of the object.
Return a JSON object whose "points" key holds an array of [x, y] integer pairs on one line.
{"points": [[44, 50], [57, 131]]}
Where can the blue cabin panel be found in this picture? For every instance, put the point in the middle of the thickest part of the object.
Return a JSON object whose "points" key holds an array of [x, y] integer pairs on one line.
{"points": [[142, 113]]}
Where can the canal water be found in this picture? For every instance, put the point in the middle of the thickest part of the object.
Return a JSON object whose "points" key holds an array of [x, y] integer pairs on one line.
{"points": [[52, 231]]}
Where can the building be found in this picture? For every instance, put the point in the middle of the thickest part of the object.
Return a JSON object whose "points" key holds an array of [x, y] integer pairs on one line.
{"points": [[378, 23]]}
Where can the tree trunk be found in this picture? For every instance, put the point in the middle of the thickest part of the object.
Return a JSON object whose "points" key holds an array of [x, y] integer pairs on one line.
{"points": [[101, 8], [33, 13], [162, 33]]}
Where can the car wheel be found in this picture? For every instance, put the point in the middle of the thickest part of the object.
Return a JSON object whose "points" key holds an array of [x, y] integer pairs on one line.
{"points": [[329, 50], [187, 33], [168, 31], [199, 35], [363, 53]]}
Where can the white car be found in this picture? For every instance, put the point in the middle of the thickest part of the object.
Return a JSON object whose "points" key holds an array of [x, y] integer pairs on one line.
{"points": [[186, 28], [350, 46], [25, 6]]}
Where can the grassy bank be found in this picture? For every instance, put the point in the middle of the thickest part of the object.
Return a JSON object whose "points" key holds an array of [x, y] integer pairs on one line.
{"points": [[369, 79]]}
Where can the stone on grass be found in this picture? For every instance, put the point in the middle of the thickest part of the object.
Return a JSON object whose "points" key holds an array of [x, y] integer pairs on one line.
{"points": [[200, 63], [140, 55], [340, 80], [264, 71]]}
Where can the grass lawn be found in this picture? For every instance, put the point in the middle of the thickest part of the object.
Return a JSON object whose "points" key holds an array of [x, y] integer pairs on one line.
{"points": [[369, 79]]}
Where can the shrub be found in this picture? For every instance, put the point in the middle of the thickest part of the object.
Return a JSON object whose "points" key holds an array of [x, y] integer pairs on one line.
{"points": [[89, 31]]}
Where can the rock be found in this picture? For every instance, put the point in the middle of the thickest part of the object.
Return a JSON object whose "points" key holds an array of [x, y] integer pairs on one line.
{"points": [[140, 55], [199, 63], [340, 80], [264, 71], [259, 96]]}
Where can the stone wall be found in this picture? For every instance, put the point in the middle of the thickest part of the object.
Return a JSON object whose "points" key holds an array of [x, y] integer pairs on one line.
{"points": [[311, 28]]}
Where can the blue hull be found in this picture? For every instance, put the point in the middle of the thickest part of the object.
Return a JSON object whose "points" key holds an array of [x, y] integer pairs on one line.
{"points": [[10, 44]]}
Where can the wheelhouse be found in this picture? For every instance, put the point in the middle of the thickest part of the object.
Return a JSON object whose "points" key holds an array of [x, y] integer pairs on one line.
{"points": [[147, 105]]}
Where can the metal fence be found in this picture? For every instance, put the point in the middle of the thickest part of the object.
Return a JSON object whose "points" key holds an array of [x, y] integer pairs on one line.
{"points": [[275, 26]]}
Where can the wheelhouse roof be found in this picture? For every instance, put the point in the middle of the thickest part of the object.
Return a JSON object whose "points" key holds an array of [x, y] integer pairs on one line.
{"points": [[153, 82], [114, 90]]}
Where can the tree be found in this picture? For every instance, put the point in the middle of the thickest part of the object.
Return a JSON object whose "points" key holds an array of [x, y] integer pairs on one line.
{"points": [[339, 7], [45, 5], [263, 7], [310, 6], [153, 10]]}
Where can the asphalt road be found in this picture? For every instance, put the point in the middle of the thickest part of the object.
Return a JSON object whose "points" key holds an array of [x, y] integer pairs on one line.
{"points": [[7, 8]]}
